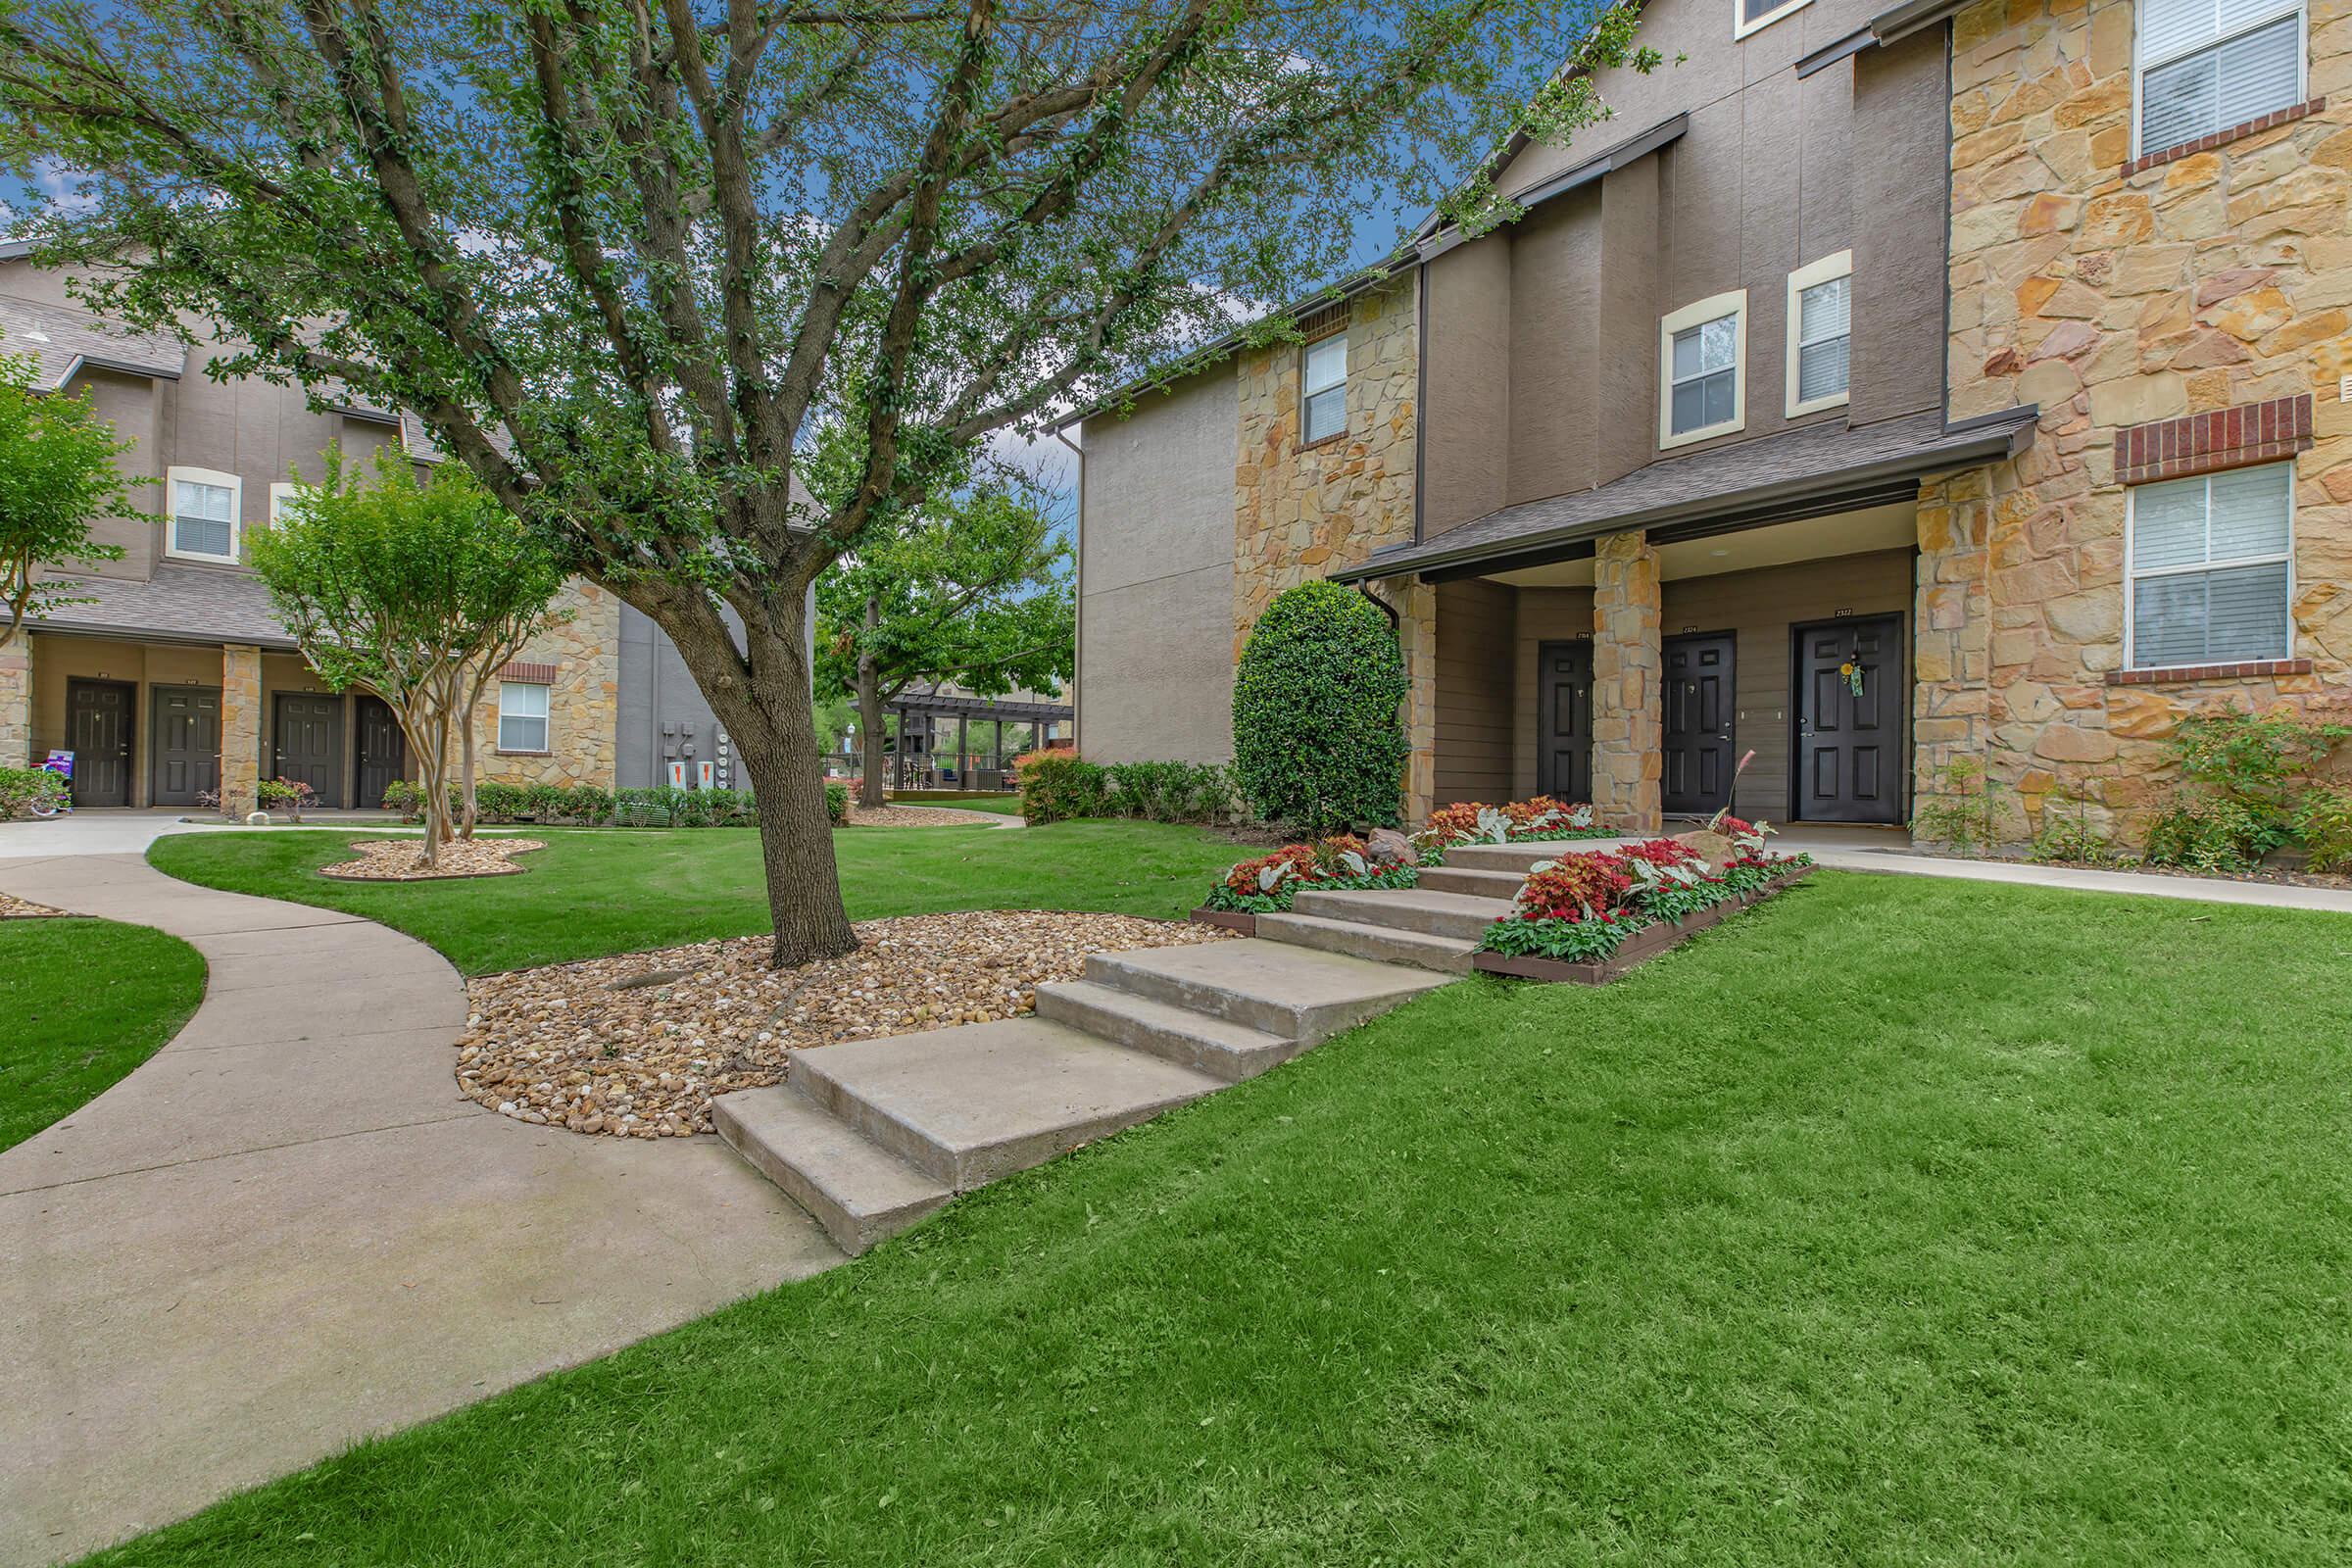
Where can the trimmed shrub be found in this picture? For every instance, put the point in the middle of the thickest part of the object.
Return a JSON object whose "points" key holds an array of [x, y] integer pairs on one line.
{"points": [[1317, 738], [1056, 786], [837, 803], [499, 803], [20, 787], [588, 803]]}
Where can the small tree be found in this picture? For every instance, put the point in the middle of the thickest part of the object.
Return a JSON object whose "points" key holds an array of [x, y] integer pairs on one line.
{"points": [[411, 591], [1317, 738], [57, 476], [975, 590]]}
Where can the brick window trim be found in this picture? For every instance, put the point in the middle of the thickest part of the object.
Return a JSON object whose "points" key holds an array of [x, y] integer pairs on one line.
{"points": [[2173, 675], [2210, 442], [528, 675], [1328, 321], [2205, 144]]}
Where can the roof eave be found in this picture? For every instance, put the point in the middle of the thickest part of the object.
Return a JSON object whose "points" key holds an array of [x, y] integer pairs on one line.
{"points": [[2005, 435]]}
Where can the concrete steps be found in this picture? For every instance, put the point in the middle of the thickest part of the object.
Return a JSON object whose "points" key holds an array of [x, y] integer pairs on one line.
{"points": [[871, 1135], [1502, 885], [1201, 1040], [1517, 859], [1433, 912]]}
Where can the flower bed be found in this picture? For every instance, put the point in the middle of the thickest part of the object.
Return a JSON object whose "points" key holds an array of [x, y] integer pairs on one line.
{"points": [[1591, 915], [1541, 819], [1268, 884]]}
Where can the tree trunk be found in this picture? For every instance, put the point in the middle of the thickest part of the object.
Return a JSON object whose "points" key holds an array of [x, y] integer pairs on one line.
{"points": [[466, 807], [760, 694], [869, 712]]}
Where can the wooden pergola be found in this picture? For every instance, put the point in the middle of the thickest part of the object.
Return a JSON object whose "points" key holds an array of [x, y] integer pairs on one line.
{"points": [[933, 705]]}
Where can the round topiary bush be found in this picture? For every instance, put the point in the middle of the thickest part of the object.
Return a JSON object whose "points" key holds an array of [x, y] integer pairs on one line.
{"points": [[1317, 739]]}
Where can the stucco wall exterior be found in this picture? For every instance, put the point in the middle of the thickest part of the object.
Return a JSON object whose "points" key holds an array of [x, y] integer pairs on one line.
{"points": [[1155, 576], [2114, 298]]}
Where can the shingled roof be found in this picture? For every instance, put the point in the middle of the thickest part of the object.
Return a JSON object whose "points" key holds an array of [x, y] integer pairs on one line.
{"points": [[180, 604], [1808, 472], [64, 340]]}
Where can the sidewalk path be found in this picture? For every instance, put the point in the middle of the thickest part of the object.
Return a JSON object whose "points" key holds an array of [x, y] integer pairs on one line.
{"points": [[286, 1231]]}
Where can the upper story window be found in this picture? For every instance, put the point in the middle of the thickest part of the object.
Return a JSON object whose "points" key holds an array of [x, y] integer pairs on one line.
{"points": [[1703, 347], [1323, 389], [1820, 322], [204, 509], [1747, 16], [2212, 567], [2207, 66], [521, 717]]}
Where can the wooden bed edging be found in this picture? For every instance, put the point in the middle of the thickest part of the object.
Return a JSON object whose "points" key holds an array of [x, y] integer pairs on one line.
{"points": [[1640, 947], [1241, 920]]}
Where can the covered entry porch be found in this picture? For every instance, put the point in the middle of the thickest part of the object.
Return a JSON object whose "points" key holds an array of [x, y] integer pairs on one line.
{"points": [[1630, 645]]}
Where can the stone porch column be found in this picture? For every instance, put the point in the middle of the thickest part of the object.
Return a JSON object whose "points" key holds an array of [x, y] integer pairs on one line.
{"points": [[1627, 668], [1416, 607], [16, 703], [240, 728]]}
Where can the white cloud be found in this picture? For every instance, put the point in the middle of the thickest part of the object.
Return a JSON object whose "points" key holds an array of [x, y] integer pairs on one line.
{"points": [[64, 187]]}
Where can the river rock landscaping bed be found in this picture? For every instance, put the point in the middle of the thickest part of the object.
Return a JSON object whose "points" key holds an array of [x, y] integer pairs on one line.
{"points": [[402, 859], [918, 817], [638, 1046], [12, 907]]}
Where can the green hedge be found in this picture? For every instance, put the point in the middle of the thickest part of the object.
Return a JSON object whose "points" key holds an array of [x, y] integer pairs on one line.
{"points": [[837, 803], [20, 787], [1056, 786], [1318, 739], [497, 804]]}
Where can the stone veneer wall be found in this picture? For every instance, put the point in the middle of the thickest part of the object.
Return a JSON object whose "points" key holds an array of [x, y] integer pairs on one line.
{"points": [[1628, 672], [240, 728], [16, 703], [583, 721], [2219, 277], [1301, 514]]}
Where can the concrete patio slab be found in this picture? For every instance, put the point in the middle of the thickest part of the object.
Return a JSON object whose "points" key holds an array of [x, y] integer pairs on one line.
{"points": [[286, 1231]]}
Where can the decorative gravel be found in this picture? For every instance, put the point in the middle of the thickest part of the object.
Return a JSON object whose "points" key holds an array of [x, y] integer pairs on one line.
{"points": [[919, 817], [637, 1046], [402, 859], [12, 907]]}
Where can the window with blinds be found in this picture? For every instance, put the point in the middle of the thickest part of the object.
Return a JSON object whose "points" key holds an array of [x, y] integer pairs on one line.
{"points": [[204, 514], [1323, 389], [1821, 324], [2211, 569], [2208, 64], [521, 717]]}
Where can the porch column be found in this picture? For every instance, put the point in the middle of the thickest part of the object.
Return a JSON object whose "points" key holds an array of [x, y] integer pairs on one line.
{"points": [[240, 728], [16, 702], [1416, 607], [1627, 664]]}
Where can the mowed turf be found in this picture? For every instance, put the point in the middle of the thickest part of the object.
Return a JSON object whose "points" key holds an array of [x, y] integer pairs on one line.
{"points": [[1900, 1221], [82, 1002], [609, 890]]}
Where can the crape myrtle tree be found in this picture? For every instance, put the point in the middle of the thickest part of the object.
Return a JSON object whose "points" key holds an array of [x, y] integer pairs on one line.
{"points": [[618, 254], [974, 588], [414, 592], [57, 475]]}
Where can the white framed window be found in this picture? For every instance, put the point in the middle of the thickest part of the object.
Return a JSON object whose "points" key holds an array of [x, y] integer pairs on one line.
{"points": [[1323, 389], [1820, 322], [2205, 65], [1702, 351], [1750, 16], [521, 717], [207, 507], [2212, 568], [282, 497]]}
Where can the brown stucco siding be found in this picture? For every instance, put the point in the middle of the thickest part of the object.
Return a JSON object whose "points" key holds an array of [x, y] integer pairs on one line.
{"points": [[1466, 445], [1476, 711], [1898, 195], [1759, 607]]}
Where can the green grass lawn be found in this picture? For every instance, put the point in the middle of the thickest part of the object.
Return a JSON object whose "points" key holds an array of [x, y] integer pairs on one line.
{"points": [[82, 1002], [1901, 1221], [602, 891]]}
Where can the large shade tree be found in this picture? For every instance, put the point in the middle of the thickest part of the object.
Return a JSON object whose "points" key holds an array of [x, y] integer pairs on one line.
{"points": [[616, 254], [58, 476]]}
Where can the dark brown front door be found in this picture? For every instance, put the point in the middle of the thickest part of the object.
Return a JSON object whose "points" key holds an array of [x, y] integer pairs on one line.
{"points": [[187, 744], [98, 727], [308, 748], [1699, 739], [1849, 745], [1564, 724], [383, 756]]}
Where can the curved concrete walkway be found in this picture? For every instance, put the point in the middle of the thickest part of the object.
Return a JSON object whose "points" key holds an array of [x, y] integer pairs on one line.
{"points": [[286, 1231]]}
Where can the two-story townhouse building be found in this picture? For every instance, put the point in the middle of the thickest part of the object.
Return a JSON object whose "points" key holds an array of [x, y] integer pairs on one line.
{"points": [[1743, 438], [173, 677]]}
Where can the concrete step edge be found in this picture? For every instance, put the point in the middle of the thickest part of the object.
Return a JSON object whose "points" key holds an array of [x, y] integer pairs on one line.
{"points": [[860, 1193], [1377, 942], [1202, 1041], [1436, 912]]}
